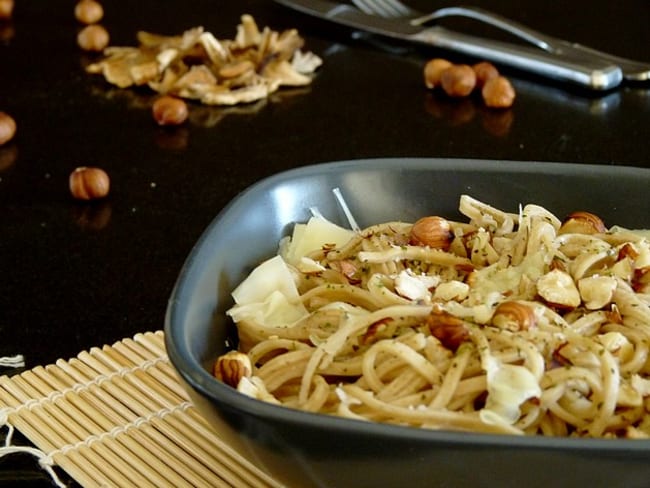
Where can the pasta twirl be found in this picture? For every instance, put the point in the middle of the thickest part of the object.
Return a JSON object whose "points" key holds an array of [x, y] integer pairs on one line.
{"points": [[504, 323]]}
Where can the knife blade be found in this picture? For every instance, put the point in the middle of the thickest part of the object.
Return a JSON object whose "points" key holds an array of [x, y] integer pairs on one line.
{"points": [[591, 73]]}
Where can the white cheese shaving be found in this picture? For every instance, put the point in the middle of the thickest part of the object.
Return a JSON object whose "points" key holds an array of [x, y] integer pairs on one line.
{"points": [[272, 275], [312, 236], [508, 386], [308, 265], [268, 296], [415, 287]]}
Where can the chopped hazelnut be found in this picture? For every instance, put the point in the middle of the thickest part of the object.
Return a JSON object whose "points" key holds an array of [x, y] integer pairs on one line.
{"points": [[451, 331], [232, 367], [581, 222], [514, 316]]}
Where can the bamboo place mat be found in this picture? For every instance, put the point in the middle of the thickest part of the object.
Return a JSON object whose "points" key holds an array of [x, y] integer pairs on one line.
{"points": [[118, 416]]}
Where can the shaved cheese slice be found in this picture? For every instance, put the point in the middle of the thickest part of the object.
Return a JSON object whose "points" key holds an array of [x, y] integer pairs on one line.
{"points": [[268, 296], [274, 311], [312, 236], [272, 275], [508, 387]]}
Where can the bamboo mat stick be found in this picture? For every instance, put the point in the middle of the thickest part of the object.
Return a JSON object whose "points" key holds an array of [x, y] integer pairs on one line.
{"points": [[61, 421], [117, 400], [101, 360], [161, 370], [133, 353], [119, 446], [22, 419], [140, 443], [102, 363], [119, 416]]}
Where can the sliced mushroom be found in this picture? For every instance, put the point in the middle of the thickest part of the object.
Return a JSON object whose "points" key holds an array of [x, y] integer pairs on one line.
{"points": [[199, 66]]}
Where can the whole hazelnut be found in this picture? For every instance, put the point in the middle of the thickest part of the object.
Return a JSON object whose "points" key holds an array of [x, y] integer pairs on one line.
{"points": [[88, 11], [484, 71], [432, 231], [93, 38], [6, 9], [432, 71], [7, 128], [498, 93], [458, 80], [582, 222], [168, 110], [89, 183]]}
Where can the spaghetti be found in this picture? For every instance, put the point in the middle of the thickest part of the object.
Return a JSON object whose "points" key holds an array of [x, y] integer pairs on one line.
{"points": [[514, 323]]}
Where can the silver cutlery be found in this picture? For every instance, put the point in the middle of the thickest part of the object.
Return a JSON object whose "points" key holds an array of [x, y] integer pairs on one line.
{"points": [[632, 70], [592, 73]]}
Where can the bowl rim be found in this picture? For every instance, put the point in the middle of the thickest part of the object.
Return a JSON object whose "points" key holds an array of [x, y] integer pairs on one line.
{"points": [[196, 377]]}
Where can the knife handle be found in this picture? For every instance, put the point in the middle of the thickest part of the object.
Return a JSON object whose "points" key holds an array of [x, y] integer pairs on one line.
{"points": [[592, 73]]}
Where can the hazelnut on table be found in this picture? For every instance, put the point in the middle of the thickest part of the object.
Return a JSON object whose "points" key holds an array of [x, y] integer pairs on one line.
{"points": [[498, 93], [93, 38], [458, 80], [6, 9], [168, 110], [433, 71], [87, 183], [484, 71], [88, 11], [7, 128]]}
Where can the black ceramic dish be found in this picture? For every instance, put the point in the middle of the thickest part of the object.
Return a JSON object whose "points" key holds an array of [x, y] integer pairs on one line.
{"points": [[303, 449]]}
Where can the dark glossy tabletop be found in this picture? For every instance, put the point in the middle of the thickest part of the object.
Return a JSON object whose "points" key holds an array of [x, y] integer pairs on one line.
{"points": [[74, 275]]}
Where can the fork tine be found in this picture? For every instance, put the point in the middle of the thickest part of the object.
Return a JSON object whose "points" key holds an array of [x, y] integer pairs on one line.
{"points": [[384, 8], [376, 7], [399, 7], [365, 7]]}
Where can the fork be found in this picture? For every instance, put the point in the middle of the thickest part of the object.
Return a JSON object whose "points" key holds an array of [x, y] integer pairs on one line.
{"points": [[632, 70]]}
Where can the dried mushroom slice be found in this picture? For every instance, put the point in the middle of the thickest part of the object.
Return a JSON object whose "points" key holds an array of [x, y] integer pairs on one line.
{"points": [[197, 65], [283, 72], [247, 94]]}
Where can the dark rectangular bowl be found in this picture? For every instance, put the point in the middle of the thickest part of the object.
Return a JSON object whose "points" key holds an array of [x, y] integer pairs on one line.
{"points": [[303, 449]]}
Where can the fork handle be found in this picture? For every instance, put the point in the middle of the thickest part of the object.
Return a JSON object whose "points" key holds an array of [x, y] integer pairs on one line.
{"points": [[632, 70], [513, 27], [593, 73]]}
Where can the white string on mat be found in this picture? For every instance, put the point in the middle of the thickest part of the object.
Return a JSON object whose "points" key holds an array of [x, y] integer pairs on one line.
{"points": [[17, 361], [44, 460]]}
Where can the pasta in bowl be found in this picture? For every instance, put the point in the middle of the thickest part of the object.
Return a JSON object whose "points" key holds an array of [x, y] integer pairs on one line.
{"points": [[434, 336], [503, 323]]}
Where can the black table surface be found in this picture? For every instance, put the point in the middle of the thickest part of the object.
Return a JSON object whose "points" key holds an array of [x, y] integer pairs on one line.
{"points": [[77, 275]]}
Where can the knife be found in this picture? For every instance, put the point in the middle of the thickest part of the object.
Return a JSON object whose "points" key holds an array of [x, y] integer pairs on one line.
{"points": [[592, 73]]}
